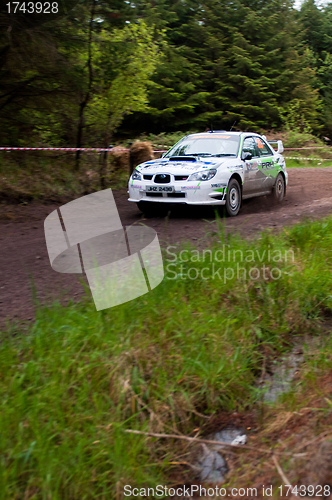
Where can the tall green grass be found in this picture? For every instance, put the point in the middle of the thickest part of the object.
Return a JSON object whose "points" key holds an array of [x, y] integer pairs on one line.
{"points": [[316, 162], [43, 176], [74, 382]]}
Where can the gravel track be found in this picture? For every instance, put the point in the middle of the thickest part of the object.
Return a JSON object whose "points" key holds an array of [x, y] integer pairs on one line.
{"points": [[24, 265]]}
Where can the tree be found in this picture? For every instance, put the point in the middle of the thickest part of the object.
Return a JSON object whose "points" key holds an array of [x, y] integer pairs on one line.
{"points": [[124, 61], [317, 36], [230, 60]]}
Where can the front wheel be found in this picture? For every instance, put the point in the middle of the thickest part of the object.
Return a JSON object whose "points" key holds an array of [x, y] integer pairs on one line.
{"points": [[278, 192], [233, 198]]}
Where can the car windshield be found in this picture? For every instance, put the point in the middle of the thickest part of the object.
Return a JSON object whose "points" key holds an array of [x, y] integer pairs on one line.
{"points": [[206, 145]]}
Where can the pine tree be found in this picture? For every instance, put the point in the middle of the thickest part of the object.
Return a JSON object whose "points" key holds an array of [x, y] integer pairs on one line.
{"points": [[230, 61]]}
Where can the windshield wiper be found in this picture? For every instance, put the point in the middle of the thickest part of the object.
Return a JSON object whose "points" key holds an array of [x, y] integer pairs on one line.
{"points": [[201, 154], [225, 154]]}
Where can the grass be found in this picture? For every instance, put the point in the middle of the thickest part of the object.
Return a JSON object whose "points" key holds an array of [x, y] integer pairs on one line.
{"points": [[164, 140], [74, 382], [300, 423], [27, 176], [317, 159]]}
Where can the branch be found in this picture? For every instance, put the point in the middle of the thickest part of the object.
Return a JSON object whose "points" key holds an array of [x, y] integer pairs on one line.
{"points": [[281, 472], [207, 441]]}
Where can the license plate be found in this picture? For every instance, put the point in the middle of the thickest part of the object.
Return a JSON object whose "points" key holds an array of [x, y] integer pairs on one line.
{"points": [[160, 189]]}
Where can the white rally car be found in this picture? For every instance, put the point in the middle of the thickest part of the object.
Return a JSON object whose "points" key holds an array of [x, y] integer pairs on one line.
{"points": [[211, 168]]}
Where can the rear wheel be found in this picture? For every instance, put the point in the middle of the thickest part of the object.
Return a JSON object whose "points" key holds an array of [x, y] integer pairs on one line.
{"points": [[233, 198], [278, 192], [151, 209]]}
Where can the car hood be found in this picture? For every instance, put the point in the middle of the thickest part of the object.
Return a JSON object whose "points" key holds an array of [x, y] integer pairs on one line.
{"points": [[179, 166]]}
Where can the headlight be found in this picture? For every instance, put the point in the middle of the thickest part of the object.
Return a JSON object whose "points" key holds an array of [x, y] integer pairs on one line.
{"points": [[136, 176], [205, 175]]}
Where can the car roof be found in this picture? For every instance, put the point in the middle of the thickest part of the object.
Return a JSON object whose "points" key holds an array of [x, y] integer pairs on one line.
{"points": [[236, 134]]}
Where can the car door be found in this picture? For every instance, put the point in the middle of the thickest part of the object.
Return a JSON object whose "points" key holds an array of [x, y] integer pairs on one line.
{"points": [[251, 170], [266, 165]]}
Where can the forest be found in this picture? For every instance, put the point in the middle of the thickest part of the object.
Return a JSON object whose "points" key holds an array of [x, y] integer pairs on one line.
{"points": [[98, 403], [110, 69]]}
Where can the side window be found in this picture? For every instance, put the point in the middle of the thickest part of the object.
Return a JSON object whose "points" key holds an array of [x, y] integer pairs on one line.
{"points": [[263, 148], [249, 146]]}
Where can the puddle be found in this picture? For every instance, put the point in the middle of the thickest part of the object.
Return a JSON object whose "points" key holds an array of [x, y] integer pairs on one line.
{"points": [[212, 466], [283, 375]]}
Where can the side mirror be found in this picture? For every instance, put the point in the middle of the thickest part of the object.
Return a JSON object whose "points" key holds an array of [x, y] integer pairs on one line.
{"points": [[280, 147], [246, 156]]}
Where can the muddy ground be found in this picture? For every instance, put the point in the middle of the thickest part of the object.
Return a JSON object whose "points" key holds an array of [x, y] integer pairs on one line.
{"points": [[25, 271]]}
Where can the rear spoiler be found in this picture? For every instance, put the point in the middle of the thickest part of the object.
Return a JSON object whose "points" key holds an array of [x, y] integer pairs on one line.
{"points": [[279, 143]]}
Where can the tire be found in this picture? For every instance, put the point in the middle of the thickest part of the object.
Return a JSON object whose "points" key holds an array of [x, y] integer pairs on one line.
{"points": [[151, 209], [279, 189], [233, 198]]}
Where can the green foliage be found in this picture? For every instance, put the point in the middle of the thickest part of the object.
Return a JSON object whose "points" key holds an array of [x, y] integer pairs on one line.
{"points": [[166, 66], [295, 139], [227, 64], [120, 86], [45, 178], [295, 119], [317, 35], [164, 140]]}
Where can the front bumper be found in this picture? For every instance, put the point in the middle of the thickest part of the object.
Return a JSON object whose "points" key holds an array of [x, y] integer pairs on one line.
{"points": [[190, 193]]}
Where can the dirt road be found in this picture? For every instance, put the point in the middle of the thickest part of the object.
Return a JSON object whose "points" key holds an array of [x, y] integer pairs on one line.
{"points": [[24, 263]]}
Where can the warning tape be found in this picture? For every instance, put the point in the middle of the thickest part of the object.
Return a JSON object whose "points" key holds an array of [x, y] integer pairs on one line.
{"points": [[302, 158], [97, 150], [310, 147], [58, 149]]}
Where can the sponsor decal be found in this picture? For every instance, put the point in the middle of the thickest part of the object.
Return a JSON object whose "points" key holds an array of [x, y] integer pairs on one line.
{"points": [[137, 186], [190, 187], [197, 187], [187, 167], [213, 136], [267, 164], [220, 184]]}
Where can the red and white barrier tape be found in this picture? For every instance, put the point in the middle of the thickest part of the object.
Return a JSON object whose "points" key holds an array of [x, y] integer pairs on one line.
{"points": [[97, 150], [310, 147], [301, 158], [60, 149]]}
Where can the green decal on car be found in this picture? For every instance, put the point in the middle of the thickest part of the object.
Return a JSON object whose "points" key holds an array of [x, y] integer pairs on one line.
{"points": [[197, 186], [270, 171]]}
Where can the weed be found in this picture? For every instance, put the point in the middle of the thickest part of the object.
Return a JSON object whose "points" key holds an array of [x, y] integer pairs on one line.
{"points": [[192, 346]]}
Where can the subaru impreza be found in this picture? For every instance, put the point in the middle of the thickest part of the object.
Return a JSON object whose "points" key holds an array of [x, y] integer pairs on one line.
{"points": [[211, 168]]}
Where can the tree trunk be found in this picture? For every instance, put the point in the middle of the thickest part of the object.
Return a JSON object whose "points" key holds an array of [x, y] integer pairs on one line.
{"points": [[79, 134], [86, 98], [103, 165]]}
